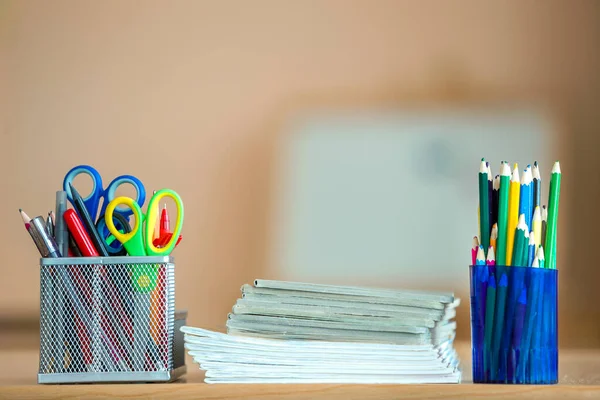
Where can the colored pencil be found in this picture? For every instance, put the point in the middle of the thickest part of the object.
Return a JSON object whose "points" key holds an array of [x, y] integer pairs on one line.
{"points": [[490, 193], [494, 237], [519, 318], [541, 258], [530, 318], [484, 205], [519, 242], [535, 263], [525, 197], [499, 325], [495, 199], [553, 202], [537, 227], [480, 256], [525, 254], [473, 250], [531, 249], [503, 215], [513, 213], [537, 185], [544, 225], [491, 257], [490, 305]]}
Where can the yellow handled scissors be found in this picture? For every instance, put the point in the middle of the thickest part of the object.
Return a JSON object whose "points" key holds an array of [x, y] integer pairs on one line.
{"points": [[139, 241]]}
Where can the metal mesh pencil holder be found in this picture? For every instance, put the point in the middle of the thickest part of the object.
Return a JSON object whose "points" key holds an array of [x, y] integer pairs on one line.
{"points": [[514, 324], [108, 319]]}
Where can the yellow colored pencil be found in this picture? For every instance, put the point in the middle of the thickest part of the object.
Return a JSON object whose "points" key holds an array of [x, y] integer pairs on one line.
{"points": [[513, 212], [537, 227], [494, 237]]}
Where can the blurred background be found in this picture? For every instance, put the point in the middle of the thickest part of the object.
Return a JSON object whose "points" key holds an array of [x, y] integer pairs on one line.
{"points": [[327, 141]]}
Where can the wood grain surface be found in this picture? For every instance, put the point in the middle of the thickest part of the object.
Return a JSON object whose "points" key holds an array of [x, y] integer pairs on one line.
{"points": [[579, 378]]}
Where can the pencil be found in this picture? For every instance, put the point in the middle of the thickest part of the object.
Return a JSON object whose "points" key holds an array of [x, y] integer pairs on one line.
{"points": [[501, 242], [495, 199], [525, 197], [519, 242], [480, 256], [490, 193], [553, 202], [537, 227], [484, 206], [513, 213], [530, 318], [490, 305], [519, 318], [531, 249], [473, 250], [491, 258], [499, 325], [544, 225], [494, 237], [537, 185], [541, 258]]}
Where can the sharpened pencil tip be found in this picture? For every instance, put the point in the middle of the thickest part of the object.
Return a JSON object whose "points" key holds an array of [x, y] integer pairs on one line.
{"points": [[556, 168], [20, 209]]}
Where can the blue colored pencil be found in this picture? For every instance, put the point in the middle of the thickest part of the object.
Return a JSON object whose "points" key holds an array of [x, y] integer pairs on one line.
{"points": [[526, 197], [531, 249], [517, 336]]}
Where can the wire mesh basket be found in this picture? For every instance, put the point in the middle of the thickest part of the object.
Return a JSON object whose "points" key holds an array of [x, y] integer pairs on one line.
{"points": [[108, 319]]}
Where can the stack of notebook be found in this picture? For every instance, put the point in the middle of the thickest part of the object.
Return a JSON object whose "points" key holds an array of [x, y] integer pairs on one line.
{"points": [[288, 332]]}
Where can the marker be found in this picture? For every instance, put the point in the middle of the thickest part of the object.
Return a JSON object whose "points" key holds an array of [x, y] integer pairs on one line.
{"points": [[79, 234], [61, 234]]}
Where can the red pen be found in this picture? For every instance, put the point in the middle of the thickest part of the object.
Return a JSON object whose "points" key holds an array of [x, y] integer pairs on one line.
{"points": [[165, 224], [76, 229]]}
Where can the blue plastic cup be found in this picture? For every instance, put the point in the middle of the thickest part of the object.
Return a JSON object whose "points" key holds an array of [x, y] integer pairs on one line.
{"points": [[515, 336]]}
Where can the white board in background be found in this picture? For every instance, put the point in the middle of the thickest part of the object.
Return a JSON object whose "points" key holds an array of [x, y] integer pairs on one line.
{"points": [[391, 198]]}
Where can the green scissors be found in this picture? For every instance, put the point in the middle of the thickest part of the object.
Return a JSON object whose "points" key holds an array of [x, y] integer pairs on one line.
{"points": [[139, 241], [144, 277]]}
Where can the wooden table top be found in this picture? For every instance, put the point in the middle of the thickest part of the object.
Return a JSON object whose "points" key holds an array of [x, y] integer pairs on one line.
{"points": [[579, 378]]}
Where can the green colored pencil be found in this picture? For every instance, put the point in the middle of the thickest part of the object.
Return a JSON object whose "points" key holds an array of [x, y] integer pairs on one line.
{"points": [[490, 305], [553, 202], [518, 251], [540, 257], [499, 325], [484, 206], [503, 214]]}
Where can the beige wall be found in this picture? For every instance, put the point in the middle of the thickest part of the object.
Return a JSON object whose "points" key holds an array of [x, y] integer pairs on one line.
{"points": [[189, 94]]}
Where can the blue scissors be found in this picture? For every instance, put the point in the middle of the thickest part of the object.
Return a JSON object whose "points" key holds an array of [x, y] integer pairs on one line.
{"points": [[92, 202]]}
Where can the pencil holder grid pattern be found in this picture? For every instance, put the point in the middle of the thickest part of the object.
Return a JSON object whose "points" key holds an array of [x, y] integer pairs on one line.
{"points": [[106, 319], [514, 324]]}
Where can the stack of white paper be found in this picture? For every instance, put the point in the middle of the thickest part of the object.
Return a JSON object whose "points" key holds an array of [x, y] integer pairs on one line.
{"points": [[286, 332]]}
